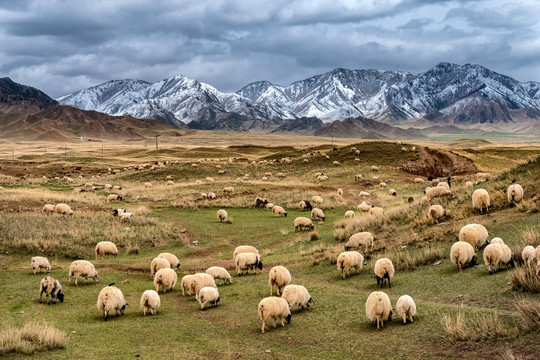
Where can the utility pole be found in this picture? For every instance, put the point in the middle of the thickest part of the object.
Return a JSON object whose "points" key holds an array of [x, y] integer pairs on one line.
{"points": [[156, 143], [13, 153]]}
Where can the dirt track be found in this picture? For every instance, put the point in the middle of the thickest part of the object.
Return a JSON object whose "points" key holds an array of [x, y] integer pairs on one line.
{"points": [[438, 163]]}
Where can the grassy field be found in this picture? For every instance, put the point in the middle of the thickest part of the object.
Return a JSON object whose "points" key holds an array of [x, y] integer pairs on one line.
{"points": [[174, 218]]}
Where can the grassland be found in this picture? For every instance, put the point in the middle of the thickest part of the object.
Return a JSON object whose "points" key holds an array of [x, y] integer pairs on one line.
{"points": [[468, 315]]}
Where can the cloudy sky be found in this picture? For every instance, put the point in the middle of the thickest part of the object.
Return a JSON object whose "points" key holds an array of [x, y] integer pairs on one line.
{"points": [[64, 46]]}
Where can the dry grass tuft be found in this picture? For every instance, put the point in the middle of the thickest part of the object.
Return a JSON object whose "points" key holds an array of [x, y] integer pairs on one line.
{"points": [[528, 315], [31, 338], [479, 327], [403, 260], [524, 279], [314, 235], [507, 354], [284, 232]]}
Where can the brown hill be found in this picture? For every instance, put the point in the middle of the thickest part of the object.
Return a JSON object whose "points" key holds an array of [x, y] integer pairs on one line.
{"points": [[17, 98], [366, 129]]}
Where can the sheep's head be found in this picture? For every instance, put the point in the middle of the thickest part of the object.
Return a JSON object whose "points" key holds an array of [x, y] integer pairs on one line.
{"points": [[288, 318], [311, 301], [60, 296], [95, 277], [260, 264], [390, 315], [474, 260], [364, 262]]}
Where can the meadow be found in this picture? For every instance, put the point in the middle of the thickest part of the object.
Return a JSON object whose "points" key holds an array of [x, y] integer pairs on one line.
{"points": [[460, 315]]}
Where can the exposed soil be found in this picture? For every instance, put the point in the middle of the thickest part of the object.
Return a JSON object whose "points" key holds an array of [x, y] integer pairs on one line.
{"points": [[438, 163]]}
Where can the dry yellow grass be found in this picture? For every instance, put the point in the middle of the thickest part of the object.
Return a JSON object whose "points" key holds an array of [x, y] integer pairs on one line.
{"points": [[32, 337]]}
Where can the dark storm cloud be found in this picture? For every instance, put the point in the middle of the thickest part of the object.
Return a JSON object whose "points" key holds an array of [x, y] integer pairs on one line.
{"points": [[62, 46]]}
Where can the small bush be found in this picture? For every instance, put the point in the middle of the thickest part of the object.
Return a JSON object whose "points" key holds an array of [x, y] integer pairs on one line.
{"points": [[525, 279], [528, 315], [479, 327], [32, 337], [314, 235]]}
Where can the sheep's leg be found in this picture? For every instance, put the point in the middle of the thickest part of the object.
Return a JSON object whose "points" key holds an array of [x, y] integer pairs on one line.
{"points": [[271, 289], [105, 315], [77, 278], [389, 285], [35, 271], [157, 288], [263, 326], [404, 318], [282, 322], [378, 324], [411, 318]]}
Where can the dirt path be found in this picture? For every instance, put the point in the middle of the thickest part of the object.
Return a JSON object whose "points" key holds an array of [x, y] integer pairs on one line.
{"points": [[438, 163]]}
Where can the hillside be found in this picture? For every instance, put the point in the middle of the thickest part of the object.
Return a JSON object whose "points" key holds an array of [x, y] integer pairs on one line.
{"points": [[17, 98]]}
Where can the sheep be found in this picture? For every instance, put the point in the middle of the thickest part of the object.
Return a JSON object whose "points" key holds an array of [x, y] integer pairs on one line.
{"points": [[376, 211], [498, 254], [469, 184], [514, 194], [229, 190], [165, 277], [269, 206], [379, 308], [362, 239], [148, 185], [340, 192], [474, 234], [528, 254], [111, 298], [382, 185], [444, 185], [297, 295], [203, 196], [280, 277], [437, 191], [194, 166], [247, 261], [406, 308], [222, 215], [364, 194], [208, 295], [350, 260], [40, 262], [274, 308], [119, 211], [48, 208], [88, 185], [209, 180], [170, 183], [317, 199], [171, 258], [363, 207], [278, 211], [462, 253], [305, 205], [169, 177], [150, 301], [105, 248], [336, 163], [220, 273], [301, 223], [480, 200], [186, 284], [199, 281], [260, 202], [212, 196], [221, 172], [126, 215], [349, 214], [392, 192], [384, 270], [435, 213], [374, 168], [158, 264], [63, 209], [317, 214], [2, 188], [82, 268], [281, 175], [419, 181], [358, 177], [114, 197], [51, 286], [264, 178], [497, 240], [117, 188], [244, 249]]}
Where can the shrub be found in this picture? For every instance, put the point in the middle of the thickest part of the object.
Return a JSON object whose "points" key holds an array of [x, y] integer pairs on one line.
{"points": [[32, 337]]}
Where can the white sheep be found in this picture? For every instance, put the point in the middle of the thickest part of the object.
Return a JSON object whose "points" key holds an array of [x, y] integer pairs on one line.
{"points": [[336, 163], [208, 295], [497, 254], [382, 185], [244, 249], [474, 234], [84, 269], [364, 194], [362, 239], [406, 308], [166, 278], [209, 180], [51, 286], [105, 248], [317, 199], [150, 301], [212, 195], [278, 211], [222, 215], [279, 277], [349, 214], [384, 270], [378, 308], [374, 168], [148, 185], [392, 192], [170, 182], [171, 258], [111, 298], [435, 213], [199, 281], [317, 214], [269, 206], [363, 207], [480, 200], [297, 295], [444, 184], [437, 191], [301, 223], [304, 205], [274, 308], [419, 180], [528, 255], [376, 211], [340, 192], [186, 284], [462, 254], [350, 260], [514, 193], [220, 273], [158, 264], [469, 184], [229, 190], [114, 197], [40, 262], [247, 262], [358, 177], [496, 240], [48, 208], [63, 209], [125, 215], [118, 212]]}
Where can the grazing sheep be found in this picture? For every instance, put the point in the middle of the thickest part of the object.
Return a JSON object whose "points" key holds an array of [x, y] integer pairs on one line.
{"points": [[297, 295], [170, 182], [281, 175], [336, 163], [362, 239], [340, 192], [269, 206], [435, 213], [480, 200], [117, 188], [280, 277], [278, 211], [48, 208], [39, 262], [165, 277], [63, 209], [186, 284], [496, 240], [222, 215], [349, 214], [305, 205], [384, 270], [158, 264], [301, 223], [171, 258], [244, 249], [364, 194], [406, 308], [474, 234], [469, 184], [209, 180], [212, 196], [376, 211], [229, 190], [84, 269], [437, 191], [374, 168], [528, 254], [317, 199], [111, 298], [514, 194], [150, 301], [392, 192], [378, 308], [201, 280], [444, 185], [317, 214], [260, 202], [208, 295], [382, 185], [350, 260], [88, 185], [126, 215], [246, 262], [274, 308], [462, 254], [363, 207], [497, 254], [220, 273], [104, 248], [419, 180], [117, 212], [358, 177], [203, 196], [114, 197], [148, 185], [51, 286]]}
